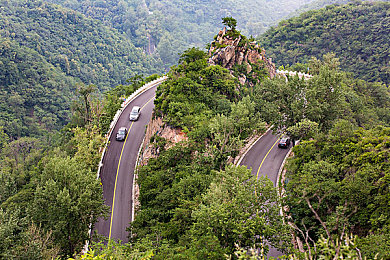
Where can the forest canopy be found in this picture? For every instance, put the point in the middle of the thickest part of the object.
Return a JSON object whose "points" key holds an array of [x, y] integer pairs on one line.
{"points": [[169, 27], [45, 51], [358, 33]]}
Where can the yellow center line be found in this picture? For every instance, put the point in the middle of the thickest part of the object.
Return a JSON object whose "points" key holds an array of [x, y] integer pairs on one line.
{"points": [[117, 171], [258, 171]]}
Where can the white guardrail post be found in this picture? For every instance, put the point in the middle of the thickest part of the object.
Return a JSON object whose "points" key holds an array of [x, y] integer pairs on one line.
{"points": [[293, 73], [136, 93]]}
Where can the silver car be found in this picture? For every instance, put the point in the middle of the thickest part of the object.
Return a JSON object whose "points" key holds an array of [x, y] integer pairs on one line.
{"points": [[121, 134], [134, 114]]}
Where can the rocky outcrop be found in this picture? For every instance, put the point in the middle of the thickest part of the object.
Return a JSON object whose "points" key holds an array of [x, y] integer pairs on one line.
{"points": [[230, 49], [157, 127]]}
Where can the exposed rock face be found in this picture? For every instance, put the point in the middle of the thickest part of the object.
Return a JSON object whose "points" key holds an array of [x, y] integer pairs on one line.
{"points": [[228, 51], [156, 126]]}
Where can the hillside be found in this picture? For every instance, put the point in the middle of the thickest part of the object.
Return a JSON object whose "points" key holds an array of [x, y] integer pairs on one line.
{"points": [[81, 47], [166, 28], [358, 33], [34, 95], [46, 50], [317, 4]]}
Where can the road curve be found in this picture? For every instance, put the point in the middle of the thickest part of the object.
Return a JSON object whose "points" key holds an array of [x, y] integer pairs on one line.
{"points": [[265, 159], [118, 168], [265, 152]]}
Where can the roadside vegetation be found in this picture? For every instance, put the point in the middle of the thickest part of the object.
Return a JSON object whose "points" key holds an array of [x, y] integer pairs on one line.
{"points": [[48, 53], [50, 194]]}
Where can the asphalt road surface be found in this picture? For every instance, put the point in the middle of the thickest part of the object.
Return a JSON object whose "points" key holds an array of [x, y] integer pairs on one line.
{"points": [[118, 168], [265, 153], [265, 159]]}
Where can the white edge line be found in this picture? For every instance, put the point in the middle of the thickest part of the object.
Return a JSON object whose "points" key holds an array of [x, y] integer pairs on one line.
{"points": [[119, 112], [279, 173]]}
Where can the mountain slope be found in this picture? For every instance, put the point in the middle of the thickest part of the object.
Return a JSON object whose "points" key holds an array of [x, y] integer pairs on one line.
{"points": [[317, 4], [45, 50], [79, 46], [168, 27], [34, 95], [358, 33]]}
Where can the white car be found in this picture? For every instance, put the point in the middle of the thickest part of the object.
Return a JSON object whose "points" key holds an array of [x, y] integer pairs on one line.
{"points": [[134, 114]]}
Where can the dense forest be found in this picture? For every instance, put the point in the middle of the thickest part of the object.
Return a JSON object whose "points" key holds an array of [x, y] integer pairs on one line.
{"points": [[45, 51], [167, 28], [317, 4], [358, 33], [34, 95]]}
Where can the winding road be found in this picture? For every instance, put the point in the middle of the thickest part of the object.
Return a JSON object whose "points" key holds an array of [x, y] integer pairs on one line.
{"points": [[117, 172], [265, 159]]}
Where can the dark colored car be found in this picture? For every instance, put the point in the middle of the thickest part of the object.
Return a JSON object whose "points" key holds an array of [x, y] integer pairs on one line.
{"points": [[134, 114], [121, 135], [284, 142]]}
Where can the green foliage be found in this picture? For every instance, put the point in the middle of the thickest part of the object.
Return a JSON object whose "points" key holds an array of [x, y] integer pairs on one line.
{"points": [[34, 95], [303, 130], [330, 95], [66, 201], [169, 194], [53, 197], [187, 211], [194, 92], [358, 33], [36, 244], [204, 101], [238, 209], [339, 183], [344, 249], [45, 50], [227, 132], [230, 22], [80, 47]]}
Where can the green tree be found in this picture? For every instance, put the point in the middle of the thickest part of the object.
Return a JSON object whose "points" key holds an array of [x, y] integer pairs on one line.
{"points": [[88, 142], [34, 243], [238, 209], [230, 22], [303, 130], [338, 184], [82, 107], [67, 199]]}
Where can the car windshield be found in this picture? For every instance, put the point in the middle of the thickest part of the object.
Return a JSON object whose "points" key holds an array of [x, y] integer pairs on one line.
{"points": [[121, 132], [133, 113]]}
